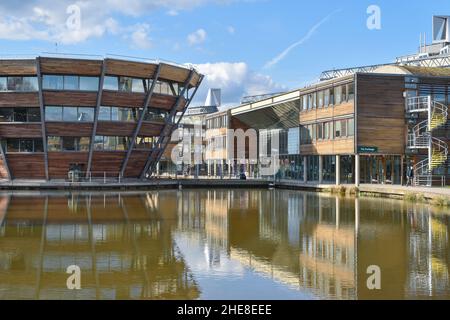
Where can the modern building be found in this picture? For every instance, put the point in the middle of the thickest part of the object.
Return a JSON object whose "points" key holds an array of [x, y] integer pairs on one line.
{"points": [[105, 117]]}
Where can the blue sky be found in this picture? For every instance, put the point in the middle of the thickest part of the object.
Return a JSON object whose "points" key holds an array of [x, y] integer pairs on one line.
{"points": [[231, 41]]}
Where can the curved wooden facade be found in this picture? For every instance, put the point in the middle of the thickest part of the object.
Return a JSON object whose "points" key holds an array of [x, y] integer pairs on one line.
{"points": [[167, 90]]}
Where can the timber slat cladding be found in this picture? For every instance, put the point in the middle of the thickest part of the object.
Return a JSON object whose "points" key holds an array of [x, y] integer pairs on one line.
{"points": [[343, 109], [12, 99], [107, 161], [59, 162], [332, 147], [381, 113], [150, 129], [110, 128], [130, 68], [17, 67], [24, 166], [66, 98], [136, 163], [22, 130], [173, 73], [122, 99], [69, 129], [71, 66]]}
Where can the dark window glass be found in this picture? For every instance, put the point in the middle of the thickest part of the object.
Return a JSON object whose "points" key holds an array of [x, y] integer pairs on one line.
{"points": [[71, 83], [98, 143], [70, 114], [20, 114], [110, 83], [89, 83], [34, 114], [86, 114], [13, 145], [26, 145], [6, 114], [125, 84], [344, 93], [38, 145], [52, 82], [69, 143], [15, 83], [53, 113], [104, 114], [351, 91]]}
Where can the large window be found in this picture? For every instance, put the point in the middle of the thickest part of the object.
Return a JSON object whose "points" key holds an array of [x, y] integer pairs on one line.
{"points": [[156, 115], [118, 114], [111, 143], [145, 142], [337, 95], [344, 128], [23, 145], [80, 144], [18, 84], [69, 82], [127, 84], [69, 114], [20, 115]]}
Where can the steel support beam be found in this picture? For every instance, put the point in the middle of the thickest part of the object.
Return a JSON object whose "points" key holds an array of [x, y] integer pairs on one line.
{"points": [[156, 154], [5, 161], [96, 113], [42, 111], [141, 120]]}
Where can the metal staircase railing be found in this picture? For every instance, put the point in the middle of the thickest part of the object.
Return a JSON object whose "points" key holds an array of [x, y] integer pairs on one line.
{"points": [[422, 138]]}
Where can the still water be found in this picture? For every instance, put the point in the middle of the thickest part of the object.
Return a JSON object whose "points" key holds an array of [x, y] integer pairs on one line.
{"points": [[220, 244]]}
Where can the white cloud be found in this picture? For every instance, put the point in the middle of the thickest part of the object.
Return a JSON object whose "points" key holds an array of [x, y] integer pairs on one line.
{"points": [[140, 37], [172, 13], [236, 81], [231, 30], [197, 37]]}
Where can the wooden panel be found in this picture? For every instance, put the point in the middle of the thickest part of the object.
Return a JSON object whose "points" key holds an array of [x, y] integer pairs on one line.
{"points": [[343, 109], [26, 99], [173, 73], [166, 102], [25, 130], [136, 163], [130, 68], [122, 99], [18, 67], [110, 128], [149, 129], [59, 162], [107, 161], [381, 113], [71, 66], [69, 129], [3, 169], [331, 147], [26, 166], [70, 98]]}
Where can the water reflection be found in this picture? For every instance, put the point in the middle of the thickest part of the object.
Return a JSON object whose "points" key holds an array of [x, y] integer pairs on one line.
{"points": [[216, 244]]}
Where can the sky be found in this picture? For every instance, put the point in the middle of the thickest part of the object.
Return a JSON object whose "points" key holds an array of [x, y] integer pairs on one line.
{"points": [[244, 47]]}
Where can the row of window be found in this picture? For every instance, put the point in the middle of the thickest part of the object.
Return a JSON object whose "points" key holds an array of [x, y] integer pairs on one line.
{"points": [[68, 143], [217, 122], [57, 82], [18, 84], [23, 145], [20, 115], [328, 97], [128, 84], [86, 114], [327, 130]]}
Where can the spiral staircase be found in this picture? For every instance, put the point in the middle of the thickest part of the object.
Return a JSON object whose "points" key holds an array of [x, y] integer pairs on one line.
{"points": [[422, 137]]}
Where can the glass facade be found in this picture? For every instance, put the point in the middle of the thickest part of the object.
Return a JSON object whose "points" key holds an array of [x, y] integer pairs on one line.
{"points": [[69, 82], [111, 143], [69, 114], [25, 145], [118, 114], [329, 169], [312, 163], [19, 84], [80, 144], [20, 115]]}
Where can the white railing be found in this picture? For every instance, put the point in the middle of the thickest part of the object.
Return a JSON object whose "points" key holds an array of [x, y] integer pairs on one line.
{"points": [[418, 104]]}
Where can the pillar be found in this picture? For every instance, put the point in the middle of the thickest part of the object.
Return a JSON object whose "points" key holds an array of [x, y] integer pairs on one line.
{"points": [[305, 169], [208, 163], [215, 168], [320, 169], [338, 170], [157, 169], [357, 170]]}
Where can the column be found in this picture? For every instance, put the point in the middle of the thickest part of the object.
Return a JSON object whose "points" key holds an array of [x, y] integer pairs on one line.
{"points": [[305, 169], [157, 169], [208, 164], [338, 170], [320, 169], [357, 170], [229, 169], [215, 168]]}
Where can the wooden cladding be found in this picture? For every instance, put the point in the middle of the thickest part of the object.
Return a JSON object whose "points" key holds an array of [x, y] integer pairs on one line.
{"points": [[17, 67], [327, 113], [71, 66], [381, 113], [70, 98], [150, 129], [130, 68], [111, 128], [26, 166], [59, 163], [122, 99], [329, 147], [20, 130], [107, 161], [136, 163], [69, 129], [12, 99]]}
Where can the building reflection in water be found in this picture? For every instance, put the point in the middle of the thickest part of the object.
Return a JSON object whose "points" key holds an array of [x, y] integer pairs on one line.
{"points": [[145, 245]]}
